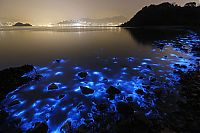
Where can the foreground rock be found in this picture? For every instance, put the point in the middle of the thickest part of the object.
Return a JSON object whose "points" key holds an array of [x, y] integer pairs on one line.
{"points": [[86, 90], [113, 91], [52, 87], [12, 78], [82, 75]]}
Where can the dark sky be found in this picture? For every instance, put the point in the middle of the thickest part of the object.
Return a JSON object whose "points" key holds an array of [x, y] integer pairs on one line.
{"points": [[52, 11]]}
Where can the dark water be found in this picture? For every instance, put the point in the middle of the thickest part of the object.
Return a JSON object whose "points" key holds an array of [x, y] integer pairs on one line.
{"points": [[126, 59]]}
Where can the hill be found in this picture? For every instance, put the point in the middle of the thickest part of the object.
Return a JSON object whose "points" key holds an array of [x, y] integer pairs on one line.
{"points": [[166, 14]]}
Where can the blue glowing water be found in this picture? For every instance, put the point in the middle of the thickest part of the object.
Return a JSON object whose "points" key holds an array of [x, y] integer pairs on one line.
{"points": [[127, 73]]}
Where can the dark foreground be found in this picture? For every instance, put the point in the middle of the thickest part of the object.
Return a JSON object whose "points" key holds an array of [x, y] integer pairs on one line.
{"points": [[172, 107], [181, 115]]}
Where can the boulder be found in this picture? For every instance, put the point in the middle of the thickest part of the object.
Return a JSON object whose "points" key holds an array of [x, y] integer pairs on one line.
{"points": [[83, 75], [112, 90], [52, 87], [86, 90]]}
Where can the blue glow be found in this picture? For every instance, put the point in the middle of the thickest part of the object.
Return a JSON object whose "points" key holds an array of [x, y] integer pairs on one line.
{"points": [[58, 73], [127, 76]]}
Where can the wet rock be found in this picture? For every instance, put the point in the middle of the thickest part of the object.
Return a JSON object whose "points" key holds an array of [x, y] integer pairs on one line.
{"points": [[12, 78], [183, 66], [39, 128], [82, 129], [61, 96], [112, 90], [177, 65], [140, 92], [149, 67], [86, 90], [102, 106], [105, 80], [13, 103], [52, 87], [83, 75], [152, 79], [129, 99], [58, 60], [125, 108]]}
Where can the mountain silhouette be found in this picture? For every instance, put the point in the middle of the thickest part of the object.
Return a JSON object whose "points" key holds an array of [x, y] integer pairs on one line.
{"points": [[166, 14]]}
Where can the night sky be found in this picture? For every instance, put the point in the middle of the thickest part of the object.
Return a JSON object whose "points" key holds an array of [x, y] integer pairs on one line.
{"points": [[51, 11]]}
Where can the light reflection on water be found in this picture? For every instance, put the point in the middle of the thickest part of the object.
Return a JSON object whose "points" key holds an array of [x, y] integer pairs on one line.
{"points": [[111, 54]]}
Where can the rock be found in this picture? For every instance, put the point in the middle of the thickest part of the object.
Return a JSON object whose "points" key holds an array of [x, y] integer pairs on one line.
{"points": [[12, 78], [83, 75], [129, 99], [13, 103], [61, 96], [177, 65], [125, 108], [149, 67], [39, 128], [58, 61], [105, 80], [52, 87], [152, 79], [112, 90], [183, 66], [86, 90], [140, 92]]}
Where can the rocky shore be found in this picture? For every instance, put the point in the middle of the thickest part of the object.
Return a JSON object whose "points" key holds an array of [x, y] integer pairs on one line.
{"points": [[169, 108], [181, 115]]}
